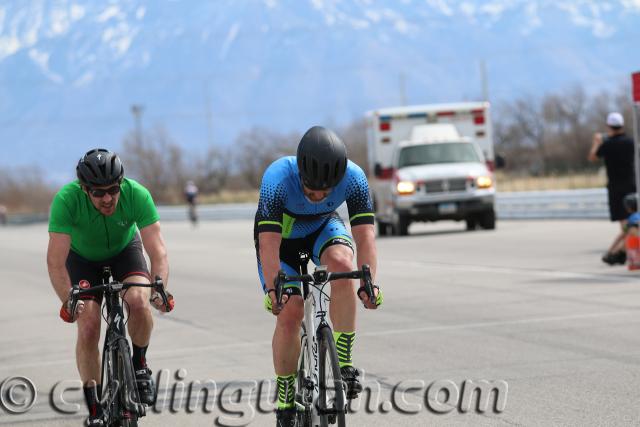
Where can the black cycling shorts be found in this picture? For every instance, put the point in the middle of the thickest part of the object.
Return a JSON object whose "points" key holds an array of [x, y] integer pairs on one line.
{"points": [[129, 262], [617, 211], [331, 232]]}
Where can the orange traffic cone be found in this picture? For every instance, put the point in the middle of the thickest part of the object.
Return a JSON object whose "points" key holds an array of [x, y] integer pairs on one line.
{"points": [[632, 244]]}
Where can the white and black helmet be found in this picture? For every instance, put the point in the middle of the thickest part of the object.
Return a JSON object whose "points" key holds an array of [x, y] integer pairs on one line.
{"points": [[322, 159], [99, 167]]}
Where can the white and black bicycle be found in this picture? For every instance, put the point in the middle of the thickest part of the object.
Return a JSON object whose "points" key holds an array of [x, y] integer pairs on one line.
{"points": [[320, 391]]}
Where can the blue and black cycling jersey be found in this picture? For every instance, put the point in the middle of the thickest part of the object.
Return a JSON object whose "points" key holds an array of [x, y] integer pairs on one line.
{"points": [[283, 207]]}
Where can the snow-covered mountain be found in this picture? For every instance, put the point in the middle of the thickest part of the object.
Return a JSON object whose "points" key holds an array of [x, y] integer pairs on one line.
{"points": [[71, 69]]}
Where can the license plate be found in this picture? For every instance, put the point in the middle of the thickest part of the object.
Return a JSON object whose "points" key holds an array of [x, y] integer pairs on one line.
{"points": [[447, 208]]}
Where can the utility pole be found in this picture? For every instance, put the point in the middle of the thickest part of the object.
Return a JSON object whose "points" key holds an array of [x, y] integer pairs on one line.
{"points": [[136, 110], [207, 111], [483, 80], [403, 89]]}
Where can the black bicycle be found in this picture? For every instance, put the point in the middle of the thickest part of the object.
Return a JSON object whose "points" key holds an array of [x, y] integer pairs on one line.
{"points": [[120, 399], [320, 391]]}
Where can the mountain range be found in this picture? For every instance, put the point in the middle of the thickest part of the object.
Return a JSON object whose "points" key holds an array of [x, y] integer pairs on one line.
{"points": [[70, 70]]}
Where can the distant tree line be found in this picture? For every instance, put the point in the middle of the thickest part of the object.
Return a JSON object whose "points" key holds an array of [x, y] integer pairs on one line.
{"points": [[164, 167], [537, 135], [552, 134], [24, 189]]}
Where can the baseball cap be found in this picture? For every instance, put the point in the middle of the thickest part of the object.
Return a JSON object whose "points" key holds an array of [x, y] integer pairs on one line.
{"points": [[615, 120]]}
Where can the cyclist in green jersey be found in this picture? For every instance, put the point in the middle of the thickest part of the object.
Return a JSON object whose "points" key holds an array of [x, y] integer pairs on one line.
{"points": [[103, 219]]}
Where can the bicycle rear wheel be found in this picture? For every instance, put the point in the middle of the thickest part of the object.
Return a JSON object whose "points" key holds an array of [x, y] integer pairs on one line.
{"points": [[331, 394]]}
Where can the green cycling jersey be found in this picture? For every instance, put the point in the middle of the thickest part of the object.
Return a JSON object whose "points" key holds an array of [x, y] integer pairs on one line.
{"points": [[94, 236]]}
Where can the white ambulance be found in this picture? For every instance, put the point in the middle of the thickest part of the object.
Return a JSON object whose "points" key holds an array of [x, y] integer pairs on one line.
{"points": [[432, 162]]}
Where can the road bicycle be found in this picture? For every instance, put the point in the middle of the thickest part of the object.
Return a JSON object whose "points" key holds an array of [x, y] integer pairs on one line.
{"points": [[320, 391], [120, 400], [193, 214]]}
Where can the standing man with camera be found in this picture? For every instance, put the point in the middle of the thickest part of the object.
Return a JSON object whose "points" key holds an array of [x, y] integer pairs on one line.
{"points": [[617, 151]]}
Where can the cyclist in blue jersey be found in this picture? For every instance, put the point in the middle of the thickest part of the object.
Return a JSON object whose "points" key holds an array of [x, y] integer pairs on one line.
{"points": [[297, 211]]}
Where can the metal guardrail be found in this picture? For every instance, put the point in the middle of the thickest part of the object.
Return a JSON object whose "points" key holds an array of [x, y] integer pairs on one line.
{"points": [[209, 212], [566, 204], [24, 219], [555, 204], [220, 212]]}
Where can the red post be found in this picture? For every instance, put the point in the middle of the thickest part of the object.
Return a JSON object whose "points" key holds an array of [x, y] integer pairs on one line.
{"points": [[635, 78]]}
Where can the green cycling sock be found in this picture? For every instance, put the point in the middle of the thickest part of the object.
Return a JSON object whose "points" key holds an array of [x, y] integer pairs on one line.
{"points": [[286, 390], [344, 345]]}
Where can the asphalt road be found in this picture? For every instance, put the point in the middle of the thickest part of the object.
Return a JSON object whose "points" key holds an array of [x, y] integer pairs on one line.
{"points": [[529, 307]]}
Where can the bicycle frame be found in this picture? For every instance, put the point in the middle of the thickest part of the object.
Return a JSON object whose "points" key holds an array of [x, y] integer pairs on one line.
{"points": [[116, 343], [314, 310], [315, 300]]}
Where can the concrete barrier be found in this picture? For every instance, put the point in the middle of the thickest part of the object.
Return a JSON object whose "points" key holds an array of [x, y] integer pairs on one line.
{"points": [[555, 204]]}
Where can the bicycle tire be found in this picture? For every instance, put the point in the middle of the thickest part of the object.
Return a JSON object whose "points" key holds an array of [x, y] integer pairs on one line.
{"points": [[129, 389], [303, 416], [110, 387], [329, 365]]}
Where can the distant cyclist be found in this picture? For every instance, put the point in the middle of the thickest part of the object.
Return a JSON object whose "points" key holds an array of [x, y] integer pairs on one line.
{"points": [[191, 196], [103, 219], [296, 211]]}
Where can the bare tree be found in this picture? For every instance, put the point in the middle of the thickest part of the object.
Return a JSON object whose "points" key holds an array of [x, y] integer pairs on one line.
{"points": [[24, 189], [257, 148], [567, 129], [520, 135], [354, 136], [213, 170], [157, 161], [553, 133]]}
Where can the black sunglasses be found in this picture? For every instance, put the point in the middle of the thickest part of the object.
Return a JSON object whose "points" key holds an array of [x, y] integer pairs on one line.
{"points": [[100, 192]]}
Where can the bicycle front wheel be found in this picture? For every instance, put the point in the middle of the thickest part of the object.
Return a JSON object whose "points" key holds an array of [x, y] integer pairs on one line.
{"points": [[129, 399], [109, 398], [331, 393], [303, 396]]}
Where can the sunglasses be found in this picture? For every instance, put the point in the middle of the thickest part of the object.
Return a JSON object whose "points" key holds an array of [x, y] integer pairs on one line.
{"points": [[100, 192]]}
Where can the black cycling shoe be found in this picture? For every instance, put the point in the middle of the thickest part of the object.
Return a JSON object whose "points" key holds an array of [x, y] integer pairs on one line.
{"points": [[615, 258], [286, 417], [350, 378], [95, 421], [146, 386]]}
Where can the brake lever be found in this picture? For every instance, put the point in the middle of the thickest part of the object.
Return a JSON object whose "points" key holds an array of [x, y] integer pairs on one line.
{"points": [[73, 296], [159, 287], [368, 283], [279, 282]]}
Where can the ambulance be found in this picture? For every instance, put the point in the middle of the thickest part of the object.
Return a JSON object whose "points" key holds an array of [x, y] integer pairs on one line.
{"points": [[430, 163]]}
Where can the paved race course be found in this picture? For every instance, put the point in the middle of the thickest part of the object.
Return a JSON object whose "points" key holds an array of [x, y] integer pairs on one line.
{"points": [[528, 307]]}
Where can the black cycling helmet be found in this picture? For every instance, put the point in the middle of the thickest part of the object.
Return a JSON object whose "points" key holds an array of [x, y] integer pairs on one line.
{"points": [[99, 167], [631, 202], [322, 159]]}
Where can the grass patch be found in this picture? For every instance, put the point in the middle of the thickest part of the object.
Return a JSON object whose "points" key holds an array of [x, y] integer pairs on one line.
{"points": [[506, 182]]}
